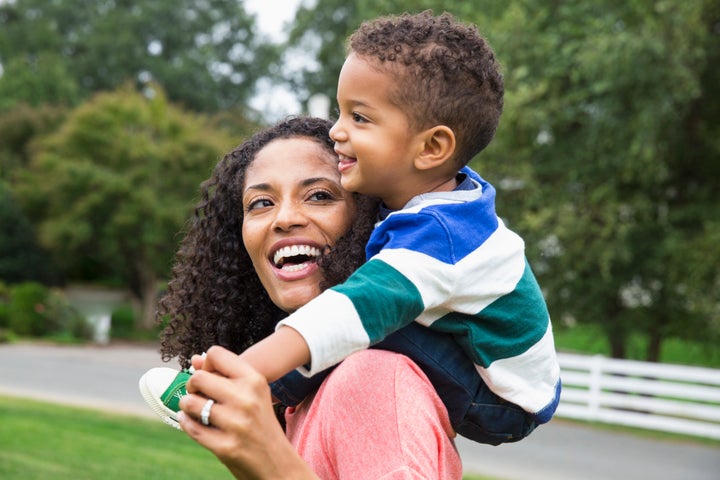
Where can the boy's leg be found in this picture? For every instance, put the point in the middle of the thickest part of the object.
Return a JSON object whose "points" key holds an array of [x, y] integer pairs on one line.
{"points": [[475, 411], [292, 388]]}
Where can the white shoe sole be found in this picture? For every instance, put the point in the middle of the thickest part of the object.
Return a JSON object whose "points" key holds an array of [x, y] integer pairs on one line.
{"points": [[149, 390]]}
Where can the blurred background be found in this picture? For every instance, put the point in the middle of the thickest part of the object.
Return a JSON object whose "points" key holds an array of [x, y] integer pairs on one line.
{"points": [[607, 158]]}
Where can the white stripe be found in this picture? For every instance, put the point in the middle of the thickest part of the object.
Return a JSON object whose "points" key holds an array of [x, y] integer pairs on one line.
{"points": [[529, 379], [331, 328], [491, 271], [414, 208]]}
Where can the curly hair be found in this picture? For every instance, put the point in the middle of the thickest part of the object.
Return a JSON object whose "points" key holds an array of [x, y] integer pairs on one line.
{"points": [[215, 296], [446, 74]]}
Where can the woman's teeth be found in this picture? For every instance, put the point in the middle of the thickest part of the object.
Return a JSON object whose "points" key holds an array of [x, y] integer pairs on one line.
{"points": [[285, 254]]}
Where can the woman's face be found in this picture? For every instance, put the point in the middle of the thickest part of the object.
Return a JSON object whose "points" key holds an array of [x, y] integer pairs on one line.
{"points": [[294, 208]]}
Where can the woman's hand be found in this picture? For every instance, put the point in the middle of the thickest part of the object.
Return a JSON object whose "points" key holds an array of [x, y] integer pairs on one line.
{"points": [[243, 431]]}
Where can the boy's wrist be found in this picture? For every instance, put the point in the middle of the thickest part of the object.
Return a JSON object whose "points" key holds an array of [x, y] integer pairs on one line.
{"points": [[278, 354]]}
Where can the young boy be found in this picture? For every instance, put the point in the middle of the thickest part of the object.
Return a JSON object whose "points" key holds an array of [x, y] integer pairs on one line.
{"points": [[419, 97]]}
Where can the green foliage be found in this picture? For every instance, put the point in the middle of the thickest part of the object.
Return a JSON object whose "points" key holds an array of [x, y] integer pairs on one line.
{"points": [[34, 310], [42, 79], [111, 189], [206, 55], [590, 339], [18, 126], [122, 323], [27, 310], [20, 257], [4, 306]]}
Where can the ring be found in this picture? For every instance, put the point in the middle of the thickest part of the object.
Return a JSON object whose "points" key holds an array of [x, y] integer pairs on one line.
{"points": [[205, 412]]}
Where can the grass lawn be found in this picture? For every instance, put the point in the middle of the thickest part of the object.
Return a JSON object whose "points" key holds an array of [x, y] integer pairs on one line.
{"points": [[590, 340], [39, 441]]}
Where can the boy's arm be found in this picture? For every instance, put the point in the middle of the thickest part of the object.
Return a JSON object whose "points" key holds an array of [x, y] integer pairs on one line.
{"points": [[278, 354]]}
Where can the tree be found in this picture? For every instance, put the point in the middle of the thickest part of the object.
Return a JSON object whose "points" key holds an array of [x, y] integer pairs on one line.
{"points": [[609, 127], [44, 80], [206, 55], [606, 159], [21, 259], [18, 126], [111, 189]]}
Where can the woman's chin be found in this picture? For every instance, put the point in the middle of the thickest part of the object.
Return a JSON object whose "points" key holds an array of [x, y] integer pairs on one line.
{"points": [[290, 301], [293, 288]]}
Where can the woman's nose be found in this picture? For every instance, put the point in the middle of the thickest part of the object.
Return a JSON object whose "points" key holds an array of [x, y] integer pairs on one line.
{"points": [[288, 215]]}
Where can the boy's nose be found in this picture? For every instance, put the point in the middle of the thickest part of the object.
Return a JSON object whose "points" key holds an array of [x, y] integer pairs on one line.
{"points": [[337, 133]]}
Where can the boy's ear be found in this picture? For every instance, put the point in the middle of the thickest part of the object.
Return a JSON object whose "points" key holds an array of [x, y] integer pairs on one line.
{"points": [[438, 146]]}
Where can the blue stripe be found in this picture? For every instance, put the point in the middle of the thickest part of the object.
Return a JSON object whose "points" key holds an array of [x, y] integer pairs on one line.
{"points": [[447, 232], [544, 415]]}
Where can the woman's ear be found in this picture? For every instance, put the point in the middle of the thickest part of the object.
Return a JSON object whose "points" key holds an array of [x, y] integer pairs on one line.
{"points": [[438, 146]]}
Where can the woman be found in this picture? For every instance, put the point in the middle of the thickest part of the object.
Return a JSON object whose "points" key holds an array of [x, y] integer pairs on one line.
{"points": [[268, 235]]}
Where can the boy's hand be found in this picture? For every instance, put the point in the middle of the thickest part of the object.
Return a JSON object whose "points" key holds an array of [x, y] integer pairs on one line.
{"points": [[198, 361]]}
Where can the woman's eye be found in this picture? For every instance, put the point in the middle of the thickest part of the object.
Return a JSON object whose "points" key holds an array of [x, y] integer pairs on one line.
{"points": [[321, 196], [259, 203]]}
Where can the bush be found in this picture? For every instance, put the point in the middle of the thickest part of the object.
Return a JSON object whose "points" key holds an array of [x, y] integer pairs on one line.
{"points": [[36, 311], [28, 303], [122, 323], [4, 306]]}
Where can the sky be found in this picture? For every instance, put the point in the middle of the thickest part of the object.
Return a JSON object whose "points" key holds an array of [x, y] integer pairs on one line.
{"points": [[273, 17]]}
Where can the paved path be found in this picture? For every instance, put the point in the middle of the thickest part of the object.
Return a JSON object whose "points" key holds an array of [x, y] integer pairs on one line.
{"points": [[106, 378]]}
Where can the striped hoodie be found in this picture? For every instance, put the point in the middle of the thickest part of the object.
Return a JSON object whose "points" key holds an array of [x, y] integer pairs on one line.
{"points": [[447, 262]]}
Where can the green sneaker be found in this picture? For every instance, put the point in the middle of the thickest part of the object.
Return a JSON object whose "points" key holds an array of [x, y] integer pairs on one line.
{"points": [[162, 388]]}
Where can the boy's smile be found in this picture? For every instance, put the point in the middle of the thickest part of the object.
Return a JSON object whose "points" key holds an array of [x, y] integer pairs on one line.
{"points": [[345, 163]]}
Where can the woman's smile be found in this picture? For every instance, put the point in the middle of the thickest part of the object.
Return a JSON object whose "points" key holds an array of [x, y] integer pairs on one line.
{"points": [[295, 260]]}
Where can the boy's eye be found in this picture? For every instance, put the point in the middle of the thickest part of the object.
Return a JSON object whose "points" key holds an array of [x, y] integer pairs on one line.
{"points": [[358, 118]]}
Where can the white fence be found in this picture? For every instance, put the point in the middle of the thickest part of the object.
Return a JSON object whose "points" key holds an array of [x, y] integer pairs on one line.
{"points": [[655, 396]]}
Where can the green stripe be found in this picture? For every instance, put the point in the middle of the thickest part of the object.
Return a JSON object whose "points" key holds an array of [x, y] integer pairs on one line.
{"points": [[383, 297], [506, 328]]}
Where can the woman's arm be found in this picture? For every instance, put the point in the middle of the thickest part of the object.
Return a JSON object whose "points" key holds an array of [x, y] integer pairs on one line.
{"points": [[244, 433]]}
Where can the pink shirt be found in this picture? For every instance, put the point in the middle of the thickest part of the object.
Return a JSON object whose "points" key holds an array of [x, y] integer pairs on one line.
{"points": [[375, 417]]}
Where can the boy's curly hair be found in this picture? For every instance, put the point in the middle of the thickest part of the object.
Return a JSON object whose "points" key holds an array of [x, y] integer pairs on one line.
{"points": [[445, 71], [215, 297]]}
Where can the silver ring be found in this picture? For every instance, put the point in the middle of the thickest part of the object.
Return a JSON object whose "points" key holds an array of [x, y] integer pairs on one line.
{"points": [[205, 412]]}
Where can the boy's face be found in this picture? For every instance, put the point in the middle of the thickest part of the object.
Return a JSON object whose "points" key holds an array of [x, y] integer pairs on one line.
{"points": [[373, 138]]}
